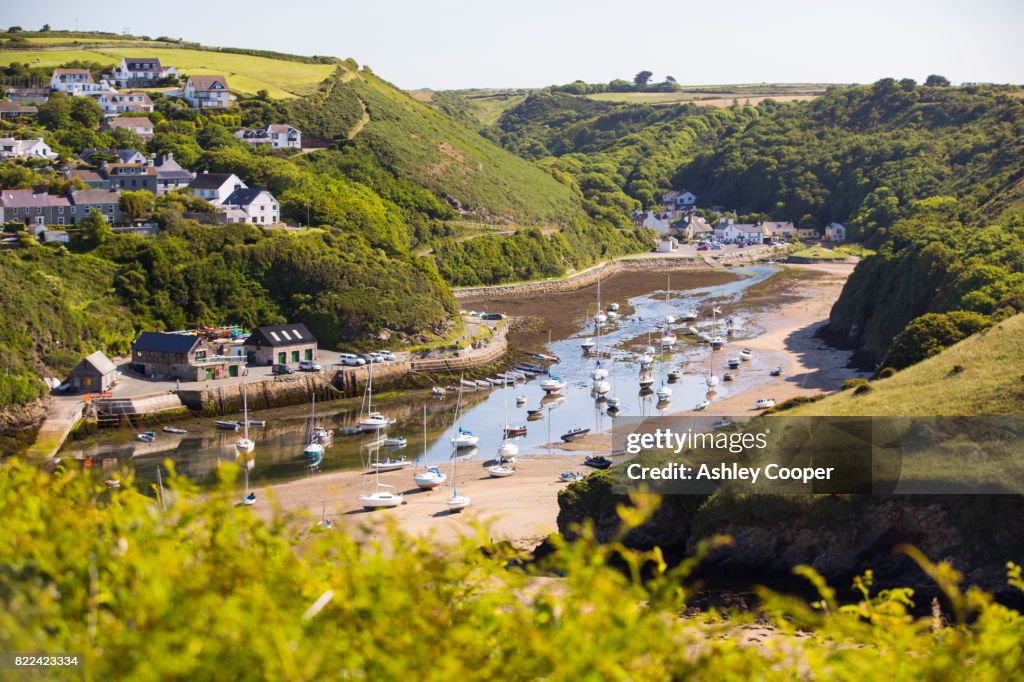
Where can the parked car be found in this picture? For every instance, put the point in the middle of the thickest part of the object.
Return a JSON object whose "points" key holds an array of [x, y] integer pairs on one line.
{"points": [[368, 358], [387, 355], [717, 247], [309, 366], [351, 360], [703, 247], [493, 316], [281, 369]]}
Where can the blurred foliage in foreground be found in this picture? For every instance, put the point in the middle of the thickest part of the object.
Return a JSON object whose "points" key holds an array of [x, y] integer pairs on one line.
{"points": [[205, 591]]}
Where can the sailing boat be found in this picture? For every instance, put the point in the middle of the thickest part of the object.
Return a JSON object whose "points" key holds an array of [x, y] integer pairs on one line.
{"points": [[717, 342], [456, 501], [379, 499], [669, 318], [313, 450], [464, 438], [244, 444], [373, 421], [250, 496], [711, 379], [611, 399], [430, 477], [600, 318], [506, 451]]}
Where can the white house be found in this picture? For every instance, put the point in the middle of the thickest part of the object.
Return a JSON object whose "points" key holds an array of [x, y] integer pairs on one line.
{"points": [[140, 125], [204, 92], [25, 149], [807, 233], [658, 222], [77, 82], [780, 230], [668, 244], [277, 135], [835, 232], [114, 103], [141, 72], [251, 205], [169, 173], [679, 200], [215, 187], [698, 228], [728, 230]]}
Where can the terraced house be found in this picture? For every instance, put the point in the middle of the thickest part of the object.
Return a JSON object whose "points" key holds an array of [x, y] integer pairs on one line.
{"points": [[106, 201], [281, 344], [188, 357], [140, 125], [27, 207]]}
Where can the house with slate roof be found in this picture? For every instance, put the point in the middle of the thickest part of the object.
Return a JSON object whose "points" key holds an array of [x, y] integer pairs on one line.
{"points": [[188, 357], [281, 344]]}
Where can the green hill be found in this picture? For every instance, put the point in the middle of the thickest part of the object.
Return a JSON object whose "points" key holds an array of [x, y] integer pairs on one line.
{"points": [[983, 374]]}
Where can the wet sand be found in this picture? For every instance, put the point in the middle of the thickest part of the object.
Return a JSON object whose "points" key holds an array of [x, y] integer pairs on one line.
{"points": [[523, 508]]}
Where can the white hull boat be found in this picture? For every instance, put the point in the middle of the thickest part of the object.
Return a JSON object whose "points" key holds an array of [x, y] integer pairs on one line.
{"points": [[711, 380], [380, 500], [243, 445], [500, 471], [430, 478], [764, 403], [668, 340], [746, 354], [375, 421], [457, 502], [664, 394], [552, 385], [602, 387], [465, 439], [391, 464], [587, 345], [702, 405]]}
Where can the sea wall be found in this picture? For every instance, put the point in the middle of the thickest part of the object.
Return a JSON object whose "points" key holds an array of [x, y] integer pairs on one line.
{"points": [[280, 391]]}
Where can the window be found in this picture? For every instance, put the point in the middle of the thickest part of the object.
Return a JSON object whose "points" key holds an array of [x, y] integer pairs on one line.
{"points": [[60, 221], [60, 210]]}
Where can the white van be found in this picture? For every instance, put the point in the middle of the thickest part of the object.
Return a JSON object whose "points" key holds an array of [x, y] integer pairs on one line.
{"points": [[351, 360]]}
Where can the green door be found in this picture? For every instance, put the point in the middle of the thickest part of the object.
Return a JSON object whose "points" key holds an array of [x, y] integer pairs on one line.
{"points": [[209, 374], [282, 358], [250, 358], [233, 371], [309, 354], [295, 356]]}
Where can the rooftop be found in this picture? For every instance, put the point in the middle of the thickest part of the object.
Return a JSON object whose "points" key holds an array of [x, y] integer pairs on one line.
{"points": [[161, 342]]}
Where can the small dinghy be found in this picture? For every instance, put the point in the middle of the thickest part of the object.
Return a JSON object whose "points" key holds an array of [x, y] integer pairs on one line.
{"points": [[521, 400], [249, 500], [515, 431], [598, 461], [734, 363], [746, 354], [173, 429], [702, 405], [396, 442], [574, 434], [438, 392], [777, 372], [764, 403], [728, 376], [571, 476], [226, 426]]}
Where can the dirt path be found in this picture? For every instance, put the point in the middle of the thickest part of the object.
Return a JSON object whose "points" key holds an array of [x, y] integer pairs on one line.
{"points": [[363, 120]]}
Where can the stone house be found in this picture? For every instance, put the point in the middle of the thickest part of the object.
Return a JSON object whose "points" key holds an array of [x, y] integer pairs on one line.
{"points": [[282, 344], [95, 374]]}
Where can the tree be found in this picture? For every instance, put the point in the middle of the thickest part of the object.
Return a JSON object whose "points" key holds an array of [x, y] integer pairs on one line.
{"points": [[137, 205], [86, 111], [55, 113], [908, 84], [937, 81], [642, 79], [95, 229], [45, 28], [15, 29], [670, 79]]}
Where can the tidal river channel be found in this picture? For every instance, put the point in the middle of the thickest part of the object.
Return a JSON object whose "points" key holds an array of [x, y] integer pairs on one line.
{"points": [[644, 301]]}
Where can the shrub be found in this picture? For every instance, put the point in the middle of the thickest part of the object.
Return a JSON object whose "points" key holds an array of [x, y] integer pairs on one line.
{"points": [[862, 389], [853, 384]]}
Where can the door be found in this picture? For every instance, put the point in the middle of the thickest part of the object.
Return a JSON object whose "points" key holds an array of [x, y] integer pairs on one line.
{"points": [[233, 371], [295, 356], [309, 354], [250, 358], [209, 374], [282, 358]]}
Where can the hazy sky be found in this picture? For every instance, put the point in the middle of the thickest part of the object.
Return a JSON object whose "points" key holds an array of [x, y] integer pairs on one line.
{"points": [[458, 44]]}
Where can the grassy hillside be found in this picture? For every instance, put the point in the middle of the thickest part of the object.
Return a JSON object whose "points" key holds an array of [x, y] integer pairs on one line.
{"points": [[983, 374], [246, 74], [425, 146]]}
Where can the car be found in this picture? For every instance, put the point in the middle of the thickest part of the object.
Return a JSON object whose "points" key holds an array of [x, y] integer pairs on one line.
{"points": [[717, 247], [281, 369], [367, 358], [703, 247], [350, 360], [377, 357], [493, 316], [387, 355], [309, 366]]}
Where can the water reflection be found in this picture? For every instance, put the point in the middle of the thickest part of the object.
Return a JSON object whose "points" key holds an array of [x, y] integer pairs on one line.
{"points": [[279, 444]]}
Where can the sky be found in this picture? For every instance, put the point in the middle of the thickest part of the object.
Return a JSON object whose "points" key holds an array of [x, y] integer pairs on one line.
{"points": [[452, 44]]}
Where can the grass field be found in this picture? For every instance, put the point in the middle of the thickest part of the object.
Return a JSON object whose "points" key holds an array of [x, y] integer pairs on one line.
{"points": [[719, 95], [246, 74], [979, 375]]}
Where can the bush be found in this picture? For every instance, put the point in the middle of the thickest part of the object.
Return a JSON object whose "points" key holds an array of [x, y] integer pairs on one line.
{"points": [[886, 372], [862, 389], [853, 384], [929, 334], [203, 590]]}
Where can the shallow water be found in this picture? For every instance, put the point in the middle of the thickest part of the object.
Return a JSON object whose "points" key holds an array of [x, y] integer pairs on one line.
{"points": [[278, 453]]}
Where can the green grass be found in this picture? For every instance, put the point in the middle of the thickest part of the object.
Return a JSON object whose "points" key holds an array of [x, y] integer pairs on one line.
{"points": [[821, 253], [245, 73], [433, 150], [990, 382]]}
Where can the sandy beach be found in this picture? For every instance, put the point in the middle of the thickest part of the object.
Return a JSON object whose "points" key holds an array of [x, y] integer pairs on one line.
{"points": [[523, 508]]}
